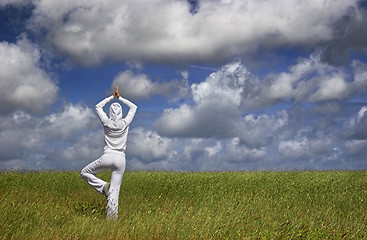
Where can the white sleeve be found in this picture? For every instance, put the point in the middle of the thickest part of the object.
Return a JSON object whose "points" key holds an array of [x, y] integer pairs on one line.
{"points": [[130, 115], [99, 109]]}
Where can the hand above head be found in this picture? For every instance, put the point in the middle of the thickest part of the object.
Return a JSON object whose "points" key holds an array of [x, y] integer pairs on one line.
{"points": [[116, 93]]}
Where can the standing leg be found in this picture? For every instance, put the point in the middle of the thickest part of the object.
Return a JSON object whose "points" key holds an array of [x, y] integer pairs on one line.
{"points": [[117, 174], [89, 173]]}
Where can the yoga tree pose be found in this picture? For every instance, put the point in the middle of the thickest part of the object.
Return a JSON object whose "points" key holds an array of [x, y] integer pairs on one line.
{"points": [[113, 158]]}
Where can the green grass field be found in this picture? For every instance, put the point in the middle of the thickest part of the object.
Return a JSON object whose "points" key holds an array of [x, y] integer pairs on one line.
{"points": [[187, 205]]}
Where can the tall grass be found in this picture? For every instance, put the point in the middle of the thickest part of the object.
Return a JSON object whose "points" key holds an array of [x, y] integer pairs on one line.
{"points": [[187, 205]]}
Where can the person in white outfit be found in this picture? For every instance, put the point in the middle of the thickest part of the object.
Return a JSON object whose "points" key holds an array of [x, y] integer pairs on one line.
{"points": [[113, 158]]}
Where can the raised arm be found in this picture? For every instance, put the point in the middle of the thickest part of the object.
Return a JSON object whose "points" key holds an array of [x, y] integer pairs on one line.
{"points": [[99, 109], [132, 109]]}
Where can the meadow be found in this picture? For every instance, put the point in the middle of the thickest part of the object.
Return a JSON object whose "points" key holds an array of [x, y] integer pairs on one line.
{"points": [[187, 205]]}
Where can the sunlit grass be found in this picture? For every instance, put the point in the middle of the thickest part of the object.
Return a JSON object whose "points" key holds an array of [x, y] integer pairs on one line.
{"points": [[187, 205]]}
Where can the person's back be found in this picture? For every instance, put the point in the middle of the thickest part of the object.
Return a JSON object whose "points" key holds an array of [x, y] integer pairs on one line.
{"points": [[116, 128], [115, 135]]}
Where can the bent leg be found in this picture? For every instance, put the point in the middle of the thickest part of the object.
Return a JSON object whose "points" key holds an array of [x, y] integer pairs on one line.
{"points": [[89, 173]]}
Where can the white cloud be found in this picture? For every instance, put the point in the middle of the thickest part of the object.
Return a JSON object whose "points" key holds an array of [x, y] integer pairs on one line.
{"points": [[355, 154], [24, 84], [228, 86], [311, 80], [148, 150], [330, 89], [95, 30], [148, 146], [350, 37], [362, 116], [260, 131], [197, 154], [294, 149], [217, 103], [214, 150], [17, 135], [140, 86], [49, 140], [299, 82], [238, 152], [298, 137], [307, 149], [357, 148], [134, 86], [221, 99], [355, 127], [176, 121], [73, 118], [360, 75], [78, 152]]}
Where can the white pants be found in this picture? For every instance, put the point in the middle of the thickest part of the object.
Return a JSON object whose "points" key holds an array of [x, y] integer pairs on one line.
{"points": [[108, 161]]}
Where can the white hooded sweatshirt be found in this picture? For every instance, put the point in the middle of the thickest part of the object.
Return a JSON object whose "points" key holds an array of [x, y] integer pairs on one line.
{"points": [[116, 128]]}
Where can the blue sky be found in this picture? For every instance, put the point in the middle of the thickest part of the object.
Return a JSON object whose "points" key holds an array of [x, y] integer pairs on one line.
{"points": [[220, 85]]}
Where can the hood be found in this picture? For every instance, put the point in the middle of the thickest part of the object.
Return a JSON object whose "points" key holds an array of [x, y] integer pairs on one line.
{"points": [[115, 111]]}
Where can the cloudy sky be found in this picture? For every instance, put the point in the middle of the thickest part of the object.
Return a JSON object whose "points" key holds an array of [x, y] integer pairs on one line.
{"points": [[219, 84]]}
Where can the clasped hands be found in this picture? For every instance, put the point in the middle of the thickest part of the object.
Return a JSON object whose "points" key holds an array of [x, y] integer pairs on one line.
{"points": [[116, 93]]}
